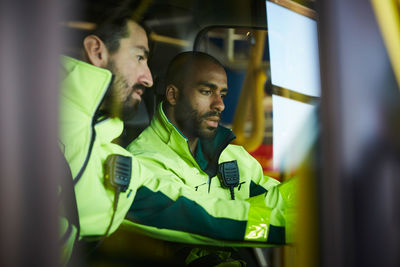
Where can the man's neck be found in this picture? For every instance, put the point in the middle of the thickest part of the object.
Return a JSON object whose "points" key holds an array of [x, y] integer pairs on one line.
{"points": [[191, 141], [192, 144]]}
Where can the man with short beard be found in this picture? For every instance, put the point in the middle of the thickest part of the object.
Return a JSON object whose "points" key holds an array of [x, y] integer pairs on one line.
{"points": [[96, 94], [217, 190]]}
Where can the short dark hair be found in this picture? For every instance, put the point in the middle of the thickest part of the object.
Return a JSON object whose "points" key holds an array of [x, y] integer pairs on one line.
{"points": [[114, 26], [179, 67]]}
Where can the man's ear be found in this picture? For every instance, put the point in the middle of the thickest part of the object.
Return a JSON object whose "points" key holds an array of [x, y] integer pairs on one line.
{"points": [[96, 51], [171, 94]]}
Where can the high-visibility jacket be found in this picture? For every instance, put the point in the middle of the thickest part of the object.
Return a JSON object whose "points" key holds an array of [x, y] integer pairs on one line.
{"points": [[191, 205], [86, 141], [68, 215]]}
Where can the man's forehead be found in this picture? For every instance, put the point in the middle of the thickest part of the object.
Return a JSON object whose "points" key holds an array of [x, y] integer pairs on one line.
{"points": [[208, 74], [138, 35], [135, 27], [208, 69]]}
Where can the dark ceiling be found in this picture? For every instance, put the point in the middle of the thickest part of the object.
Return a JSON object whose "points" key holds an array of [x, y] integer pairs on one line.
{"points": [[178, 19]]}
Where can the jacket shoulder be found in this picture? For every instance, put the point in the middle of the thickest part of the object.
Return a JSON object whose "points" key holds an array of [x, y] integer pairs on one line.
{"points": [[149, 146], [236, 151], [243, 158]]}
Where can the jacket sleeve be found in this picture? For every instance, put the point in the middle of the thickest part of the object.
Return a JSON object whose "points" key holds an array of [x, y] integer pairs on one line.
{"points": [[165, 204]]}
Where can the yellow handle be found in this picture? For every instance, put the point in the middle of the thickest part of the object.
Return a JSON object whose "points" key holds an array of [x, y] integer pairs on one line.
{"points": [[251, 99], [388, 16]]}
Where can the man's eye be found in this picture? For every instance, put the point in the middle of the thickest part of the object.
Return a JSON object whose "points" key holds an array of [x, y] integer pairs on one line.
{"points": [[205, 92], [223, 96], [139, 57]]}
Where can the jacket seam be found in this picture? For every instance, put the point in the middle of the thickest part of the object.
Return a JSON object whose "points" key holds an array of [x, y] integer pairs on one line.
{"points": [[93, 136]]}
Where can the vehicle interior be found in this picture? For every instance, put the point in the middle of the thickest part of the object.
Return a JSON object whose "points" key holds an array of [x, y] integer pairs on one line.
{"points": [[313, 92]]}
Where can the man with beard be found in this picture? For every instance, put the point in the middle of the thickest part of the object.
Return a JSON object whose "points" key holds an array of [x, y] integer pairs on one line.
{"points": [[97, 94], [217, 190]]}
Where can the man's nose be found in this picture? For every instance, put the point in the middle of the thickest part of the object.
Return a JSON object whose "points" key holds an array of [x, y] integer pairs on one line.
{"points": [[218, 103], [146, 78]]}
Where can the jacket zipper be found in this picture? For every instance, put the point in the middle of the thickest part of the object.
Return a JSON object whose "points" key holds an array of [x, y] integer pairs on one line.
{"points": [[93, 136]]}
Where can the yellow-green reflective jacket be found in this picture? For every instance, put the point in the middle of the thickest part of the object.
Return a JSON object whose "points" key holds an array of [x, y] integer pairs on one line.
{"points": [[191, 205], [86, 142]]}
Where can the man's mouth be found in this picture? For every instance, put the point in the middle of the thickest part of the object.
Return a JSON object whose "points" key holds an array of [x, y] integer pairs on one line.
{"points": [[212, 121], [137, 92], [137, 95]]}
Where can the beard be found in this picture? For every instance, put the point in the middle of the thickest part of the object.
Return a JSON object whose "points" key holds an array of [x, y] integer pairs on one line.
{"points": [[190, 121], [118, 101], [124, 107]]}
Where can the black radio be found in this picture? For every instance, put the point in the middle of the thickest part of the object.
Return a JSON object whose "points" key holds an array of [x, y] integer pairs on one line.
{"points": [[118, 171], [228, 174]]}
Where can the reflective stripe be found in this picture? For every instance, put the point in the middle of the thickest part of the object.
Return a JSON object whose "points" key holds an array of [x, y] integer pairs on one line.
{"points": [[261, 219], [258, 220]]}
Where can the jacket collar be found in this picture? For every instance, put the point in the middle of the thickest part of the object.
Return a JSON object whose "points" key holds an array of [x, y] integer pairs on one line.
{"points": [[207, 152], [84, 84]]}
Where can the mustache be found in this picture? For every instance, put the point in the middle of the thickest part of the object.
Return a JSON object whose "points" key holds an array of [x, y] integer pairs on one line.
{"points": [[138, 86], [211, 114]]}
